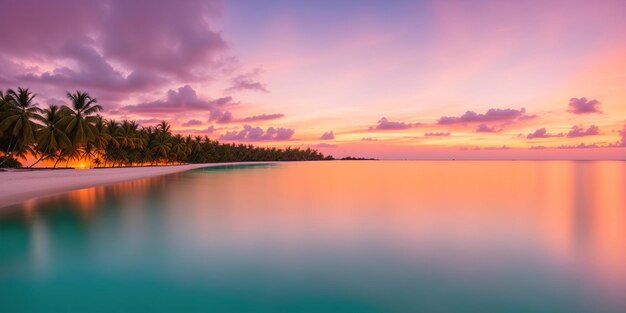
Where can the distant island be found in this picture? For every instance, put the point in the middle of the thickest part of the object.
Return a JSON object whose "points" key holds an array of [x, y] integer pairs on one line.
{"points": [[350, 158], [62, 134]]}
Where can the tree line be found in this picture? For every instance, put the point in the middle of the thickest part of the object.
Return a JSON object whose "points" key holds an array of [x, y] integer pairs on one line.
{"points": [[65, 133]]}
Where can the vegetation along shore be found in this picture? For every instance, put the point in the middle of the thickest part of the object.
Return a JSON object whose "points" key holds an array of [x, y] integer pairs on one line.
{"points": [[60, 134]]}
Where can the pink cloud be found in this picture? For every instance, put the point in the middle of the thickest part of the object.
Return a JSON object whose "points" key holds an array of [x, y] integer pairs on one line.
{"points": [[385, 124], [192, 122], [483, 128], [262, 117], [183, 99], [580, 146], [492, 115], [583, 106], [249, 133], [328, 136], [209, 130], [111, 47], [150, 121], [580, 131], [437, 134], [542, 133], [221, 117], [247, 82]]}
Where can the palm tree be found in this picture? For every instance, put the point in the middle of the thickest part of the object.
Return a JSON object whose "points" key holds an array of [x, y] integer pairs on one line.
{"points": [[81, 118], [160, 147], [50, 138], [102, 136], [179, 149], [164, 127], [17, 121], [78, 132]]}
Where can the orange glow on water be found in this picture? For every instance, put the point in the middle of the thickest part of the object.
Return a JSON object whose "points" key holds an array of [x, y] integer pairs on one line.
{"points": [[570, 213]]}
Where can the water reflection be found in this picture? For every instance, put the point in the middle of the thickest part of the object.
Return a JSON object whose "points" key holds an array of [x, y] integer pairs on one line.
{"points": [[328, 236]]}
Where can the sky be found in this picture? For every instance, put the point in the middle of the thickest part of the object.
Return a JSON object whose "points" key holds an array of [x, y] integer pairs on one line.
{"points": [[382, 79]]}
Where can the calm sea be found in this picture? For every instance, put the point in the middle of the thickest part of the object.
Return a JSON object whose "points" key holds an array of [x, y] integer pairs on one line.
{"points": [[341, 236]]}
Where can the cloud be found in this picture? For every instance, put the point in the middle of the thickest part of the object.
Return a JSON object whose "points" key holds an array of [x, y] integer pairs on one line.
{"points": [[385, 124], [262, 117], [482, 128], [209, 130], [580, 146], [583, 106], [183, 99], [247, 82], [192, 123], [328, 136], [324, 145], [249, 133], [111, 47], [369, 139], [149, 121], [580, 131], [503, 147], [622, 133], [221, 117], [542, 133], [437, 134], [492, 115]]}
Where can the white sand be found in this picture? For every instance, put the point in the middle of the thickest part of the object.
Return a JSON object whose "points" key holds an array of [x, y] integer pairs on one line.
{"points": [[19, 186]]}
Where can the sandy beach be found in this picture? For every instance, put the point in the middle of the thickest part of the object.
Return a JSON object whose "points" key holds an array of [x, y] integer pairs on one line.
{"points": [[19, 186]]}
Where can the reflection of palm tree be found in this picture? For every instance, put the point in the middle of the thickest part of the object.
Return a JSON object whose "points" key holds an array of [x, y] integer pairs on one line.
{"points": [[50, 138], [17, 121]]}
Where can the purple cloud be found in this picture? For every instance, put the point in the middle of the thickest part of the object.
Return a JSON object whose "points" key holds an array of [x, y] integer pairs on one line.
{"points": [[623, 134], [262, 117], [328, 136], [580, 131], [209, 130], [183, 99], [492, 115], [482, 128], [580, 146], [583, 106], [437, 134], [221, 117], [247, 82], [249, 133], [385, 124], [149, 121], [192, 123], [115, 47], [542, 133]]}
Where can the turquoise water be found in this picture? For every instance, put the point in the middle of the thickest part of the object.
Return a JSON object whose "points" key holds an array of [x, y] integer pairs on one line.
{"points": [[371, 236]]}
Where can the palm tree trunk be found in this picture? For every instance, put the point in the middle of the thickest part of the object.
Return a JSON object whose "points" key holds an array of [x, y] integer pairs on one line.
{"points": [[10, 151], [40, 158], [55, 163]]}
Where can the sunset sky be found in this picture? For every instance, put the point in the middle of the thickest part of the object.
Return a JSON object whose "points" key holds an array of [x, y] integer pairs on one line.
{"points": [[384, 79]]}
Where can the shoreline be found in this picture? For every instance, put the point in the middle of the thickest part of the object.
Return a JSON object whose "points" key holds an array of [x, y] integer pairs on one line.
{"points": [[19, 186]]}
